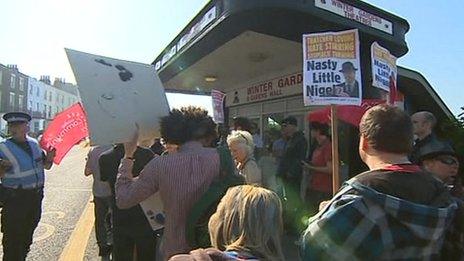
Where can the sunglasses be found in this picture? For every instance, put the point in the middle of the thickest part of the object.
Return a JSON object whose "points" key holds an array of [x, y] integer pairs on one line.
{"points": [[448, 160]]}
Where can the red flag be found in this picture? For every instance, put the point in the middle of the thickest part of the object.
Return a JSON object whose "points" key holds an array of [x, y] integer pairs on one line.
{"points": [[66, 130]]}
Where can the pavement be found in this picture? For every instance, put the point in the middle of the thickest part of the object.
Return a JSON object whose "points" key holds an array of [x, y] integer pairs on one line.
{"points": [[66, 231]]}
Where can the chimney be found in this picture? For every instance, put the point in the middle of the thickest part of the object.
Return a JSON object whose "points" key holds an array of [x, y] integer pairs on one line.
{"points": [[45, 79], [59, 82], [13, 67]]}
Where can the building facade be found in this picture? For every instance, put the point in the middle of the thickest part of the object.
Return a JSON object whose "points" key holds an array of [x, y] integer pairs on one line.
{"points": [[252, 51], [45, 100], [13, 91]]}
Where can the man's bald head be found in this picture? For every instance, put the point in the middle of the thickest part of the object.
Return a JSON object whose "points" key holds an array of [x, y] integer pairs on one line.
{"points": [[423, 123]]}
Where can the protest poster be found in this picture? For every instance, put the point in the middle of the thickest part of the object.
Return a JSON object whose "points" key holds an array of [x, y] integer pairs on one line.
{"points": [[331, 68], [154, 211], [217, 98], [384, 71], [66, 130], [117, 96]]}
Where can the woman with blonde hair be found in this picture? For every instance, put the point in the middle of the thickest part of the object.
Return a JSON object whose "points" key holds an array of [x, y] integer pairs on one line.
{"points": [[242, 147], [247, 225]]}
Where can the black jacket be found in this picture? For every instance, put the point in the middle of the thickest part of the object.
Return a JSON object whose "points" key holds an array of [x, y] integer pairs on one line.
{"points": [[415, 155], [109, 164], [295, 152], [418, 187]]}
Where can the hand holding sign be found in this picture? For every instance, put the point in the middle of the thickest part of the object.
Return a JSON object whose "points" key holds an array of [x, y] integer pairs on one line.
{"points": [[51, 155], [131, 146]]}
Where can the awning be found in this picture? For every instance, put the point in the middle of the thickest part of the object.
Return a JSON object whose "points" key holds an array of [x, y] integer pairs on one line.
{"points": [[346, 113]]}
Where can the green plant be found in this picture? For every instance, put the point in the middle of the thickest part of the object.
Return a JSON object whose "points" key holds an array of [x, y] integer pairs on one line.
{"points": [[453, 130]]}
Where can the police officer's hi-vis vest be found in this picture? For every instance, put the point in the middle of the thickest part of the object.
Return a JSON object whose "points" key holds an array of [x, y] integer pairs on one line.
{"points": [[27, 172]]}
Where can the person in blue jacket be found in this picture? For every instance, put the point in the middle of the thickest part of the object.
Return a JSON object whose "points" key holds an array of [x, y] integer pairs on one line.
{"points": [[22, 164]]}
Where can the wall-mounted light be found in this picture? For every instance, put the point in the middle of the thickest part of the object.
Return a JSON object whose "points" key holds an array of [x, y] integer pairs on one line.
{"points": [[210, 78]]}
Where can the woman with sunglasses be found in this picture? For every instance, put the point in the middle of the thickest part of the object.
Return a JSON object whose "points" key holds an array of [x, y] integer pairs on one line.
{"points": [[440, 159]]}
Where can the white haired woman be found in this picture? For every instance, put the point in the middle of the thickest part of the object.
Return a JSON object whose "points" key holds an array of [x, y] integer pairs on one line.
{"points": [[241, 146]]}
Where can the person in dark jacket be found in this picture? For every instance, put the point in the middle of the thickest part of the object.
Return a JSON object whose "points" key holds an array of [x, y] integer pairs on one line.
{"points": [[350, 88], [290, 172], [394, 211], [131, 228], [22, 173], [157, 147], [440, 159], [423, 124]]}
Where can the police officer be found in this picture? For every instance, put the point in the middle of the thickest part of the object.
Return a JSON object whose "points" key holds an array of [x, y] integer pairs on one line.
{"points": [[22, 164]]}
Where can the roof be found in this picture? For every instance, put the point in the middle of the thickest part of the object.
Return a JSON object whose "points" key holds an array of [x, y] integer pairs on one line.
{"points": [[287, 19], [416, 87]]}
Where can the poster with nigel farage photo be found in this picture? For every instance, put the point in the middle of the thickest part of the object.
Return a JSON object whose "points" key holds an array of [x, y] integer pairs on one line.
{"points": [[331, 68]]}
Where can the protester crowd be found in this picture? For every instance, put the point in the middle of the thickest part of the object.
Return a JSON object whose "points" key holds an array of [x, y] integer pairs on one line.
{"points": [[229, 197]]}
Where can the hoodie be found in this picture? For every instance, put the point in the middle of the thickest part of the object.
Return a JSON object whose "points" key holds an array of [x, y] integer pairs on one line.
{"points": [[363, 223]]}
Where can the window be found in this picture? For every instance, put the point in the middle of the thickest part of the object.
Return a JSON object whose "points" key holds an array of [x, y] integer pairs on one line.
{"points": [[1, 77], [30, 106], [20, 101], [62, 99], [13, 81], [50, 98], [21, 84], [31, 89], [49, 111], [38, 91], [12, 99], [45, 109], [38, 107]]}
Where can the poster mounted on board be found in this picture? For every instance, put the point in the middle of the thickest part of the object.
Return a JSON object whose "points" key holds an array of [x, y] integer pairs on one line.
{"points": [[116, 96], [331, 68], [384, 71], [217, 98]]}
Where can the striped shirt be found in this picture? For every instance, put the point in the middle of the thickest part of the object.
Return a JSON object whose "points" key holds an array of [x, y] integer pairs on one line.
{"points": [[181, 178]]}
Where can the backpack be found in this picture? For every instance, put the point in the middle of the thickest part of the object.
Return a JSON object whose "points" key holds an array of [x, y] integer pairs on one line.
{"points": [[198, 218]]}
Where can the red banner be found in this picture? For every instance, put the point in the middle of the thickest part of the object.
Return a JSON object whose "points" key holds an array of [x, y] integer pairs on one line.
{"points": [[66, 130], [348, 113]]}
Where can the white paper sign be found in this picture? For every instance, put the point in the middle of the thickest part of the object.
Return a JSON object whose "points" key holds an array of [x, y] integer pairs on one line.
{"points": [[217, 97], [154, 211], [117, 95], [356, 14], [331, 68], [384, 70]]}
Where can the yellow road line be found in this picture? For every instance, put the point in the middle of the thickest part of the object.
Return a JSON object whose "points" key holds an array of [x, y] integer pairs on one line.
{"points": [[77, 243]]}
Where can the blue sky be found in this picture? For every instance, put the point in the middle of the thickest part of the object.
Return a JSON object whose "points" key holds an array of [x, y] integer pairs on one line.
{"points": [[35, 33]]}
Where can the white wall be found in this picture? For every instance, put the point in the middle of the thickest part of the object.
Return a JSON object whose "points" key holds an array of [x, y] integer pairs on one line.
{"points": [[40, 92]]}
